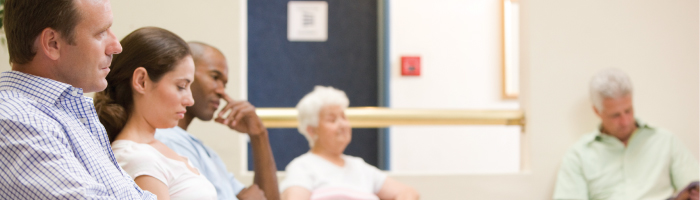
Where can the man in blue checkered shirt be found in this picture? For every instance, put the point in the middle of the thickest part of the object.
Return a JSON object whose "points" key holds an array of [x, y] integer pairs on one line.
{"points": [[52, 145]]}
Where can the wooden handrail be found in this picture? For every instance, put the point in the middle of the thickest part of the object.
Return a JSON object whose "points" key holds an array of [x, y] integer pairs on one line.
{"points": [[378, 117]]}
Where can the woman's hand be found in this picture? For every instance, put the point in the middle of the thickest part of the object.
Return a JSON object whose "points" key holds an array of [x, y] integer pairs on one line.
{"points": [[296, 193], [393, 189]]}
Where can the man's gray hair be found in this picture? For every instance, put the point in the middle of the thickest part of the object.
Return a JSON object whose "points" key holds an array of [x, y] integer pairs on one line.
{"points": [[310, 107], [609, 83]]}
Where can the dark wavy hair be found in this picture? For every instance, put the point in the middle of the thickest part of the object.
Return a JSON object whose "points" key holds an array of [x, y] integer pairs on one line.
{"points": [[155, 49]]}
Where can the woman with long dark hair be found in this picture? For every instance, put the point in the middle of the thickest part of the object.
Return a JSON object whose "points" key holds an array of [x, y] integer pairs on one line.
{"points": [[149, 88]]}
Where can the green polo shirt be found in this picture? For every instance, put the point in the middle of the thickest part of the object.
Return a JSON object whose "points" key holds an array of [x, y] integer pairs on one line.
{"points": [[654, 165]]}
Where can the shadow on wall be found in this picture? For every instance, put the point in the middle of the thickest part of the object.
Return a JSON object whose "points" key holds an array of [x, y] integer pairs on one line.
{"points": [[4, 57], [587, 121]]}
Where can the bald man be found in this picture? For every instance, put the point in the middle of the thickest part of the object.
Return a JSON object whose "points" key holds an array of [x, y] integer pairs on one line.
{"points": [[211, 76]]}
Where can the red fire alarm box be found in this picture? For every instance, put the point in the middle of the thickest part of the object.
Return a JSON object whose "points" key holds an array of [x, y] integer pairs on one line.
{"points": [[410, 65]]}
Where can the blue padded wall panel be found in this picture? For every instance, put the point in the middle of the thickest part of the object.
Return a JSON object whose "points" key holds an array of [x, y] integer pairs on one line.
{"points": [[281, 72]]}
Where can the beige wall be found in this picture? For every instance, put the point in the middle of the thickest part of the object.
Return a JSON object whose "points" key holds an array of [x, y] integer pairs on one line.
{"points": [[4, 57], [564, 42]]}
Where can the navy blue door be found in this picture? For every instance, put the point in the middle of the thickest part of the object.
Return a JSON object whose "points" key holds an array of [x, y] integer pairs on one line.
{"points": [[281, 72]]}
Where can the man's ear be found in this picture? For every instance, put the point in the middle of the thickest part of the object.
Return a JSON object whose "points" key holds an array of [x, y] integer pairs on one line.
{"points": [[139, 80], [49, 43], [596, 111]]}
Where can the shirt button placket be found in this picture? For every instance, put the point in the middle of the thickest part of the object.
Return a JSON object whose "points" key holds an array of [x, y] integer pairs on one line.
{"points": [[625, 178]]}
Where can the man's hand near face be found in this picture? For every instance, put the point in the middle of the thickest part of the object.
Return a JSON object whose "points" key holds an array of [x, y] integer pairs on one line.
{"points": [[240, 116]]}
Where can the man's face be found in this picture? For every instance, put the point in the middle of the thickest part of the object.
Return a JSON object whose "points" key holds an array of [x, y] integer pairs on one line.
{"points": [[617, 116], [211, 76], [85, 63]]}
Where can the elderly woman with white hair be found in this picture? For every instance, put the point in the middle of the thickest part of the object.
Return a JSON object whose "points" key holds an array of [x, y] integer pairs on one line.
{"points": [[325, 172]]}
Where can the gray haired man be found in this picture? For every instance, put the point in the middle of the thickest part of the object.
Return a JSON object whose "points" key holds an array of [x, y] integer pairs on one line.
{"points": [[624, 158]]}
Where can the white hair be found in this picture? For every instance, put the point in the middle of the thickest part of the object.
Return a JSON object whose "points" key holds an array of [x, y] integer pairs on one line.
{"points": [[609, 83], [310, 107]]}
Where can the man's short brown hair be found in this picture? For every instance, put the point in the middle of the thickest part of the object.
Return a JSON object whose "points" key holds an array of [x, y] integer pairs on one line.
{"points": [[24, 20]]}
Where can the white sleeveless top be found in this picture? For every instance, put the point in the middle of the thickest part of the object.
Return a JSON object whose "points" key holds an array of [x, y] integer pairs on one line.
{"points": [[142, 159]]}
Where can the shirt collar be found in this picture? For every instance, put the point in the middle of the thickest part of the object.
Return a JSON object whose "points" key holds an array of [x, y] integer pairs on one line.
{"points": [[186, 134], [598, 135], [40, 89]]}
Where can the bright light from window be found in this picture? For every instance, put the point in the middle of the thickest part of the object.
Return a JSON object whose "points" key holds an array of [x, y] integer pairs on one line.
{"points": [[511, 31]]}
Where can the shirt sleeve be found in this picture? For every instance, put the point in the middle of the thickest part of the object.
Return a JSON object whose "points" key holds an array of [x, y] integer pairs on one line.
{"points": [[570, 181], [237, 186], [139, 162], [38, 163], [297, 175], [684, 167], [378, 177]]}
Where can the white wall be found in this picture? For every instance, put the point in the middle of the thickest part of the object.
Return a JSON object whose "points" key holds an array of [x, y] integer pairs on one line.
{"points": [[455, 149], [460, 45]]}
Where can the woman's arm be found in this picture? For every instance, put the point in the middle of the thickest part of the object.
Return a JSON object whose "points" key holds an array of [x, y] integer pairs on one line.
{"points": [[154, 186], [392, 189], [296, 193]]}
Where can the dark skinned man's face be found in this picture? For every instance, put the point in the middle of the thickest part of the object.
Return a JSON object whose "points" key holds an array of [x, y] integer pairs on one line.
{"points": [[211, 76]]}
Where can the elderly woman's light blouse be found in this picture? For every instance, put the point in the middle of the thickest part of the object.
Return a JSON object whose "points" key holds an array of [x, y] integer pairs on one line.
{"points": [[355, 180]]}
